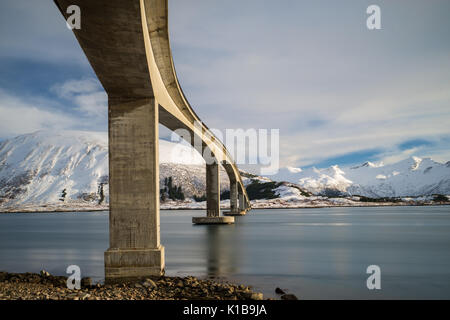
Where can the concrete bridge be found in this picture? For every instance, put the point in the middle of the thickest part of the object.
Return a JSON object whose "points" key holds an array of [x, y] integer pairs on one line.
{"points": [[127, 45]]}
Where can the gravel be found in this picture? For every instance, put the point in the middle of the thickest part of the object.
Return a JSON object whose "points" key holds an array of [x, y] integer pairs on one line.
{"points": [[44, 286]]}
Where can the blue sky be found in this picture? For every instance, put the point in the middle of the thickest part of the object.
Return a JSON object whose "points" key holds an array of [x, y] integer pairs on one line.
{"points": [[338, 92]]}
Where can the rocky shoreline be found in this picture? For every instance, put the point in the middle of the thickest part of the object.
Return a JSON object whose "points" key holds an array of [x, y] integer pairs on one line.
{"points": [[44, 286]]}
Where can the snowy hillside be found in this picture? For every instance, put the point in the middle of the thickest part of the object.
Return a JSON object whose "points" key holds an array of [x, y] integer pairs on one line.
{"points": [[410, 177], [45, 167], [69, 166]]}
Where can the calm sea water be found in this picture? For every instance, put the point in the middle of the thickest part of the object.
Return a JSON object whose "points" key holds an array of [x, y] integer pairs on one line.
{"points": [[313, 253]]}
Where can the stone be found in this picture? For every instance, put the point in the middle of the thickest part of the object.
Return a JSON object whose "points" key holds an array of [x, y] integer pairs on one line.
{"points": [[86, 282], [44, 273], [174, 288], [149, 284], [256, 296], [279, 291], [3, 276], [34, 279]]}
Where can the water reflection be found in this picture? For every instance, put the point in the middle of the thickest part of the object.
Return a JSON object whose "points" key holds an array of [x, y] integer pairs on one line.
{"points": [[222, 250]]}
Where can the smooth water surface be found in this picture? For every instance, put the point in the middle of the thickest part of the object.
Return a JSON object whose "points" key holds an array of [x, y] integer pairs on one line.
{"points": [[314, 253]]}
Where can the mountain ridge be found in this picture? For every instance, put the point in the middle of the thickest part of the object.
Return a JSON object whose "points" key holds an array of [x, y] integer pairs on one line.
{"points": [[411, 177], [69, 169]]}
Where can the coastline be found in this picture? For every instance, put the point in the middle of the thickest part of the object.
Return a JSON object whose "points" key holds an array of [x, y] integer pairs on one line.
{"points": [[265, 206]]}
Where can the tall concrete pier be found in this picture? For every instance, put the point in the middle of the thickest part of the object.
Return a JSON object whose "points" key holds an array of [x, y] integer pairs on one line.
{"points": [[213, 198], [127, 45], [212, 190], [134, 233], [237, 199]]}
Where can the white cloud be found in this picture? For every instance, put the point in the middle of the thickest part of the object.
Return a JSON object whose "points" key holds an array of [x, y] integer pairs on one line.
{"points": [[94, 104], [87, 94], [25, 114], [19, 116], [72, 87]]}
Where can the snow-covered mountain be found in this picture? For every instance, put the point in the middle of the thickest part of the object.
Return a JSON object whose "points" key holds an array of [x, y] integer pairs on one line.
{"points": [[68, 170], [410, 177], [48, 167]]}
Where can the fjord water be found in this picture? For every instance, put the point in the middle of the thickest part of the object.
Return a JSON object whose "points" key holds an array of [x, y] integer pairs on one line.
{"points": [[320, 253]]}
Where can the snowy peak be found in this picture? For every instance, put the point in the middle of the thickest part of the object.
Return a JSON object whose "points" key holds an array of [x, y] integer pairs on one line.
{"points": [[410, 177], [368, 164], [415, 163], [317, 180]]}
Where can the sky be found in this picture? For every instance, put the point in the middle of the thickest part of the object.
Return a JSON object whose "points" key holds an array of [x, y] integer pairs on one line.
{"points": [[338, 92]]}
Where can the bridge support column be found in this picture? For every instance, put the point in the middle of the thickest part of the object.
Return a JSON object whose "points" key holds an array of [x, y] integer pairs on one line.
{"points": [[233, 196], [134, 250], [234, 205], [212, 190], [242, 204], [213, 198]]}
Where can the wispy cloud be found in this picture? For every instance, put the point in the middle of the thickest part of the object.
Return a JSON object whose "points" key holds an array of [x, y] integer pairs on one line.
{"points": [[75, 104], [25, 115], [87, 94]]}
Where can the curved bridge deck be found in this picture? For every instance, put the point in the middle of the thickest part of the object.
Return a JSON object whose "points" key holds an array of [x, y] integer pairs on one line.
{"points": [[127, 44]]}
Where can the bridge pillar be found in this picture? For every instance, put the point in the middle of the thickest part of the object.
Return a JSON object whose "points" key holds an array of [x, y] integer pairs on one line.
{"points": [[234, 205], [233, 196], [242, 204], [212, 190], [213, 198], [134, 250]]}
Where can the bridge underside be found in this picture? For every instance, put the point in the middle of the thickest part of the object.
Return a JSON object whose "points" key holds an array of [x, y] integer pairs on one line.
{"points": [[127, 44]]}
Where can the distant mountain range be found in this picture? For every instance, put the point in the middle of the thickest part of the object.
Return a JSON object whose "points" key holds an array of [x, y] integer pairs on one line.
{"points": [[68, 168], [411, 177]]}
